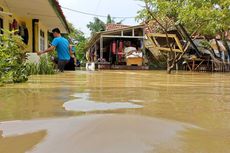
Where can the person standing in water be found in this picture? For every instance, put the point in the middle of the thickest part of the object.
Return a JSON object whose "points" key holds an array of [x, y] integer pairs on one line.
{"points": [[62, 47]]}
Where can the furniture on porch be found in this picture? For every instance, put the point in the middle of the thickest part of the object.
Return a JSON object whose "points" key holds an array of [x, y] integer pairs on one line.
{"points": [[137, 61]]}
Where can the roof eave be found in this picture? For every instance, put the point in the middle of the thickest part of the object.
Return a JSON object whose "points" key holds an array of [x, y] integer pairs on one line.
{"points": [[97, 35], [57, 8]]}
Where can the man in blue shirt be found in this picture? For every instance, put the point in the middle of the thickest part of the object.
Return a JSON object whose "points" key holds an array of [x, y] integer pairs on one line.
{"points": [[63, 49]]}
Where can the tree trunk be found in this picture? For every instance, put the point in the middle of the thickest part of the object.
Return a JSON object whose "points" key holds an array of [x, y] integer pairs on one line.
{"points": [[169, 70], [172, 58], [168, 64]]}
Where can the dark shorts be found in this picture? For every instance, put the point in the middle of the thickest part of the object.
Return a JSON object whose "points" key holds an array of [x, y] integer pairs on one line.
{"points": [[62, 64]]}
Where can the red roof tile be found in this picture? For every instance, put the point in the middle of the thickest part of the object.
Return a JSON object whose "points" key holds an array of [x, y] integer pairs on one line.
{"points": [[113, 26]]}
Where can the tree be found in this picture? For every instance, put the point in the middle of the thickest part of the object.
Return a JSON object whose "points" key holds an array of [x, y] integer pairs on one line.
{"points": [[96, 26], [99, 25], [197, 16], [109, 19], [212, 17], [78, 39], [163, 14], [75, 34]]}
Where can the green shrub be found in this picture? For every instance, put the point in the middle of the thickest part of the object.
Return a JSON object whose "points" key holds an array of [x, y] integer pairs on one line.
{"points": [[13, 68], [45, 66]]}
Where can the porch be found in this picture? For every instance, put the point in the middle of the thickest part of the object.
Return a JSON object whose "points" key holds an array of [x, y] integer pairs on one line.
{"points": [[107, 49]]}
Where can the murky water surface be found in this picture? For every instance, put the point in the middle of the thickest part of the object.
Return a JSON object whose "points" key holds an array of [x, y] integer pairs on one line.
{"points": [[117, 111]]}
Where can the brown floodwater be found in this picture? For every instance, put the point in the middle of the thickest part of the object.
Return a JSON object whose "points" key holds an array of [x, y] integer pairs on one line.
{"points": [[117, 112]]}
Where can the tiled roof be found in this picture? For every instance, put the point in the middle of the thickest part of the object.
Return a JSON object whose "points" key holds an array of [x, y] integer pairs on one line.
{"points": [[113, 26]]}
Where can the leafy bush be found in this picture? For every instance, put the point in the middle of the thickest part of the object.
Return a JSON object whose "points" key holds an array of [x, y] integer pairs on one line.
{"points": [[13, 68], [45, 66]]}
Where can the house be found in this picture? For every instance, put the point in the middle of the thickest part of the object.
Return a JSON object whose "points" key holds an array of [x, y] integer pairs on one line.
{"points": [[33, 19], [108, 48]]}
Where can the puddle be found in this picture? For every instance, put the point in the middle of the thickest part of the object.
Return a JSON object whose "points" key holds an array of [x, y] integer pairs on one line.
{"points": [[83, 104]]}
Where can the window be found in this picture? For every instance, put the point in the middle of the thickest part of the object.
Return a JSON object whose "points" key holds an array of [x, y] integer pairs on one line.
{"points": [[42, 40]]}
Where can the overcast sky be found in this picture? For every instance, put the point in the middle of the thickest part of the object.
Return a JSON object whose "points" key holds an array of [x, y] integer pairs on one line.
{"points": [[123, 8]]}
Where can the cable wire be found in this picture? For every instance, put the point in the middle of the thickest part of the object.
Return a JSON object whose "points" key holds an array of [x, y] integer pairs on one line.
{"points": [[95, 15]]}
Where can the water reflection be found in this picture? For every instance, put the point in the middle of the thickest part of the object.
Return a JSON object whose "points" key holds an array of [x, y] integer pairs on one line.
{"points": [[83, 104], [30, 103], [103, 133]]}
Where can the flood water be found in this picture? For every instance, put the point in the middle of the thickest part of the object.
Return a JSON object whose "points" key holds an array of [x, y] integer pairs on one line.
{"points": [[117, 112]]}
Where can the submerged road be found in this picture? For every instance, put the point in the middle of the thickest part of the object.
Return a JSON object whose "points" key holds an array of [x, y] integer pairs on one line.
{"points": [[117, 112]]}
